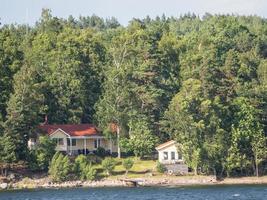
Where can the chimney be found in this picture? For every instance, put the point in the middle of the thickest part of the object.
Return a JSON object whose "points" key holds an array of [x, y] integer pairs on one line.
{"points": [[46, 120]]}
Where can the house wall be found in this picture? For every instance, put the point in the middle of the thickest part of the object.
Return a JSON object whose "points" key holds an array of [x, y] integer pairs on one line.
{"points": [[80, 143], [90, 143], [60, 134], [168, 149], [176, 166]]}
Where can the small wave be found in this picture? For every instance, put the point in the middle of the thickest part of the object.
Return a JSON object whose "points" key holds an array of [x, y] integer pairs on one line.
{"points": [[236, 195]]}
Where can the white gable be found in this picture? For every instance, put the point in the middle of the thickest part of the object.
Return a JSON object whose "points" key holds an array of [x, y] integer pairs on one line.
{"points": [[58, 134], [169, 153]]}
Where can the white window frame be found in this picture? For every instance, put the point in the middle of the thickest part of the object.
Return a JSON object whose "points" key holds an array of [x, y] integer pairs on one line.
{"points": [[60, 139], [172, 155], [165, 155], [97, 143]]}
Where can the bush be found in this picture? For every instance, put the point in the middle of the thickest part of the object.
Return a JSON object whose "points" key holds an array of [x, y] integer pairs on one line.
{"points": [[94, 159], [101, 152], [83, 168], [108, 165], [43, 154], [60, 167], [88, 173], [127, 164], [160, 167], [79, 164]]}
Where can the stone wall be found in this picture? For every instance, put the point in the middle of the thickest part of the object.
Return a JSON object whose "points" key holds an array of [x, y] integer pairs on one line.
{"points": [[176, 168]]}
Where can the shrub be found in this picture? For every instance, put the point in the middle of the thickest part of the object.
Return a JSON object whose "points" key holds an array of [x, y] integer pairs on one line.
{"points": [[94, 159], [88, 173], [108, 165], [101, 152], [60, 167], [45, 152], [160, 167], [127, 164], [83, 168], [79, 164], [42, 155]]}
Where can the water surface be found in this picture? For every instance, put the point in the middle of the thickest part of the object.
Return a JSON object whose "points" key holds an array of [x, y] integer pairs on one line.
{"points": [[247, 192]]}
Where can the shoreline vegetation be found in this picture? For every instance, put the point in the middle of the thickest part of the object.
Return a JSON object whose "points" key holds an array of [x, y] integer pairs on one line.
{"points": [[157, 181], [200, 81], [143, 173]]}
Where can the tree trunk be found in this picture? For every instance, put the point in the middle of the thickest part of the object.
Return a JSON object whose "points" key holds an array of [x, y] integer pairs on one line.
{"points": [[195, 171], [221, 173], [227, 174], [256, 165], [118, 141], [215, 172], [5, 171], [257, 169]]}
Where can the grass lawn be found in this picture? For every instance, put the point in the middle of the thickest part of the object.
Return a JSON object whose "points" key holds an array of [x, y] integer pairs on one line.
{"points": [[140, 168]]}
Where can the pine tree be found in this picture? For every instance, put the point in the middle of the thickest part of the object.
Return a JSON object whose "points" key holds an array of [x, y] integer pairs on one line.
{"points": [[24, 110]]}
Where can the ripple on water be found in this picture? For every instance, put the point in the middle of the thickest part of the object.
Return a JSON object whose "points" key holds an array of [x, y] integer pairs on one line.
{"points": [[236, 195], [257, 192]]}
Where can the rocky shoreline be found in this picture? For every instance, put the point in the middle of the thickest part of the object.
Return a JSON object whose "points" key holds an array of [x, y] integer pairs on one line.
{"points": [[165, 181]]}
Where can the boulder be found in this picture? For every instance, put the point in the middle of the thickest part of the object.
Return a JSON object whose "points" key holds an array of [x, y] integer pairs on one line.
{"points": [[12, 176], [3, 186]]}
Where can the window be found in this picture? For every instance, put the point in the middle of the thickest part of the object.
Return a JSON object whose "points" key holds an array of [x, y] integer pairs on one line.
{"points": [[73, 141], [180, 157], [97, 143], [60, 141], [173, 155], [165, 155]]}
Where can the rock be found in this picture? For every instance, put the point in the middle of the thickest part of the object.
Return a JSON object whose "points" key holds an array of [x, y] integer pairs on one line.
{"points": [[12, 176], [3, 186], [150, 174]]}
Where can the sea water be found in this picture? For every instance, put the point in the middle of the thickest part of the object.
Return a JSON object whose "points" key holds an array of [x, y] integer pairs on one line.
{"points": [[235, 192]]}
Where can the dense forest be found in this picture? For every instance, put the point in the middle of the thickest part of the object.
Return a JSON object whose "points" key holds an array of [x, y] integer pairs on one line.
{"points": [[199, 80]]}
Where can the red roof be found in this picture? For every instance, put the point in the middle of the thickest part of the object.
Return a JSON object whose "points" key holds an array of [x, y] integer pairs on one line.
{"points": [[71, 129]]}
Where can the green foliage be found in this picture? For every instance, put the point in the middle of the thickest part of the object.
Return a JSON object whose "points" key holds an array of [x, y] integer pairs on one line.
{"points": [[184, 122], [156, 79], [248, 139], [7, 150], [142, 141], [44, 152], [7, 153], [60, 167], [101, 152], [24, 108], [79, 164], [89, 173], [108, 165], [160, 167], [127, 164], [84, 169]]}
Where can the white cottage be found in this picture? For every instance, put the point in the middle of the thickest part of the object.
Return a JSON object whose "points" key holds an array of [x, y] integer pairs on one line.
{"points": [[171, 157], [75, 139]]}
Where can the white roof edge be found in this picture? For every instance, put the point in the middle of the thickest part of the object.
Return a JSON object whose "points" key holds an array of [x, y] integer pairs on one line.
{"points": [[86, 137], [75, 137], [59, 129], [166, 145]]}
